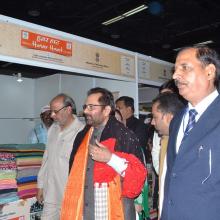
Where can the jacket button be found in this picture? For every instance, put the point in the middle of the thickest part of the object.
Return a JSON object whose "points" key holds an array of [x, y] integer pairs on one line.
{"points": [[170, 202], [174, 175]]}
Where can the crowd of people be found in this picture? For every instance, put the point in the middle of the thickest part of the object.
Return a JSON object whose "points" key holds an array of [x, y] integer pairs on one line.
{"points": [[97, 170]]}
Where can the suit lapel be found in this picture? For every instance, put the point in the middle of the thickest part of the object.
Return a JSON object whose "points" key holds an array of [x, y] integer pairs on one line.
{"points": [[174, 128], [204, 125]]}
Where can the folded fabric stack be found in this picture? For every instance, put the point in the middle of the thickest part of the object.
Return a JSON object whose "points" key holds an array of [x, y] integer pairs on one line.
{"points": [[28, 159], [8, 185]]}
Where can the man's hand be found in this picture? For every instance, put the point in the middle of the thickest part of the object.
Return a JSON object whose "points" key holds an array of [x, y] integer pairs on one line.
{"points": [[40, 197], [99, 152], [138, 208]]}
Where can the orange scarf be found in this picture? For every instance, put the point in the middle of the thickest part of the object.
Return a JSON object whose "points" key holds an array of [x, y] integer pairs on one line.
{"points": [[72, 206]]}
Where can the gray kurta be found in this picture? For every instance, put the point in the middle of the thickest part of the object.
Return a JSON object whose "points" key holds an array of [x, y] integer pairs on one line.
{"points": [[53, 173]]}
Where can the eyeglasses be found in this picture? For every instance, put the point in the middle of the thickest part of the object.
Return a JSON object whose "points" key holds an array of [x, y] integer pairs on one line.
{"points": [[90, 107], [57, 111]]}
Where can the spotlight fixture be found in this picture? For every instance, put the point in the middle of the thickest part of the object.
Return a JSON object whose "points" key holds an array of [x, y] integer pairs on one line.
{"points": [[205, 42], [33, 8], [19, 78], [34, 13], [126, 14]]}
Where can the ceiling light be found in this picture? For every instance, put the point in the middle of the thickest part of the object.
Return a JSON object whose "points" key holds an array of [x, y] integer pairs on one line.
{"points": [[205, 42], [115, 36], [126, 14], [34, 12], [19, 78]]}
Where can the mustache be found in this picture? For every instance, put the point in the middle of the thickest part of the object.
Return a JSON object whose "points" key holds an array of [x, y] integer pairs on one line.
{"points": [[178, 82]]}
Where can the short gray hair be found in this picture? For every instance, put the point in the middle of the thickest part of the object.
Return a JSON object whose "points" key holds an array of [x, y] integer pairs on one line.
{"points": [[67, 101]]}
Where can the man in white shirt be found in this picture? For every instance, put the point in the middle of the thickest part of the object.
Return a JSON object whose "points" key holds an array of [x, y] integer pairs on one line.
{"points": [[164, 107], [53, 173], [192, 182]]}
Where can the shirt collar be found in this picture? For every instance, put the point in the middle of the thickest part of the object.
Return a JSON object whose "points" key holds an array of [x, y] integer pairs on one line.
{"points": [[203, 105]]}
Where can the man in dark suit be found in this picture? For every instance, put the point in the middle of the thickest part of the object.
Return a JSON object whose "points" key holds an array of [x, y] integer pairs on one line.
{"points": [[125, 105], [192, 182]]}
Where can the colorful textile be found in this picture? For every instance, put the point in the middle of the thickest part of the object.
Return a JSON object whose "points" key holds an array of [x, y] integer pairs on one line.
{"points": [[8, 197], [4, 191], [28, 154], [28, 167], [142, 200], [27, 179], [135, 173], [22, 147], [26, 161], [11, 166], [7, 174], [23, 162], [6, 156], [27, 172], [8, 184], [72, 205], [28, 193], [25, 186], [101, 201], [7, 163]]}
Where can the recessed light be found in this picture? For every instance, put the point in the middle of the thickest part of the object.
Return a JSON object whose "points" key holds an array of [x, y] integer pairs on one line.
{"points": [[34, 12]]}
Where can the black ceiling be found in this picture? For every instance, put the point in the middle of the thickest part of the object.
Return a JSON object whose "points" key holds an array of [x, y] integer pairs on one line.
{"points": [[164, 26]]}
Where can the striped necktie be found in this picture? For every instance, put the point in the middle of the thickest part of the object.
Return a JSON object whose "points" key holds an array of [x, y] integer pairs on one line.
{"points": [[191, 122]]}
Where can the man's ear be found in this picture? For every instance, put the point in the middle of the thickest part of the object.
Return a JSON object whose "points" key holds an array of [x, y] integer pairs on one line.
{"points": [[130, 109], [107, 110], [70, 109], [169, 117], [211, 71]]}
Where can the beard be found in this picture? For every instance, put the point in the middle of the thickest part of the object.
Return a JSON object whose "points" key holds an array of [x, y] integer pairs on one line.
{"points": [[94, 121], [89, 120]]}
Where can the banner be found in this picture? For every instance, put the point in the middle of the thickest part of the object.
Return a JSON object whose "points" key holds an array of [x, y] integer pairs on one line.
{"points": [[45, 43]]}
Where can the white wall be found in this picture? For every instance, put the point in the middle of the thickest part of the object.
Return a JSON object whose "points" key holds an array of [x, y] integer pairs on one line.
{"points": [[124, 88], [24, 100], [147, 94], [45, 89], [76, 87], [17, 103]]}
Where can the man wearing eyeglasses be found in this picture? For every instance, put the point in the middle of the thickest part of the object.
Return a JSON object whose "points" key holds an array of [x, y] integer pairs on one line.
{"points": [[53, 174], [106, 169]]}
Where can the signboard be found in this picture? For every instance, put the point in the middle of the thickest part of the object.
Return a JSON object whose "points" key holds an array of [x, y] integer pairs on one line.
{"points": [[36, 45], [144, 69], [155, 71], [45, 43]]}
